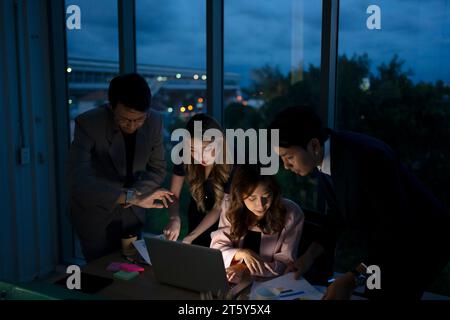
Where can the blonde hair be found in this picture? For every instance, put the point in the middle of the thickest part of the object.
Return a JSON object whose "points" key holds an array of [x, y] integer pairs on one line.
{"points": [[195, 173]]}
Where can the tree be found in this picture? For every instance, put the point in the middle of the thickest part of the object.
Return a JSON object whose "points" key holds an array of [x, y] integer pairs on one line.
{"points": [[413, 118]]}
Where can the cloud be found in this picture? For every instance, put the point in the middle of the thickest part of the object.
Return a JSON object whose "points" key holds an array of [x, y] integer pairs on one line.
{"points": [[259, 32], [173, 34], [414, 30]]}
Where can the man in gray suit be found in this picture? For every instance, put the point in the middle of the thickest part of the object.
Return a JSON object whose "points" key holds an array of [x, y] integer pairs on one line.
{"points": [[116, 167]]}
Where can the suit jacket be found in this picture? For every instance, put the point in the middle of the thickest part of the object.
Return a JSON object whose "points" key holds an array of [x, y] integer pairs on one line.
{"points": [[277, 249], [372, 191], [97, 167]]}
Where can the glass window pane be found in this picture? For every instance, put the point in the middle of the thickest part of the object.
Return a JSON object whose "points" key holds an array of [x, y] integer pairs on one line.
{"points": [[92, 55], [272, 60], [171, 54], [393, 82]]}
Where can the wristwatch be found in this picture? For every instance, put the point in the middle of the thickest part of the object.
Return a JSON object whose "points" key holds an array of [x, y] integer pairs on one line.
{"points": [[130, 194], [360, 273]]}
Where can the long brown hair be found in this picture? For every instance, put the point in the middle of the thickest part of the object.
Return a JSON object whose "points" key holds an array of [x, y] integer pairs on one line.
{"points": [[196, 172], [245, 180]]}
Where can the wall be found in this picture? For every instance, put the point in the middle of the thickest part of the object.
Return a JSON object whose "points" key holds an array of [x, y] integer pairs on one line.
{"points": [[29, 185]]}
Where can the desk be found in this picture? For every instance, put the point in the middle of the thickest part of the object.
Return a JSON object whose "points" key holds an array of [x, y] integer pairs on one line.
{"points": [[143, 287], [146, 287]]}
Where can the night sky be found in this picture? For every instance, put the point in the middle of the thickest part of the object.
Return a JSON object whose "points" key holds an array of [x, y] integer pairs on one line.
{"points": [[259, 32]]}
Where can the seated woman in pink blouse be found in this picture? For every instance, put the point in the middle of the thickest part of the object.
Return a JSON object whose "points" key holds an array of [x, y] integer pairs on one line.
{"points": [[259, 231]]}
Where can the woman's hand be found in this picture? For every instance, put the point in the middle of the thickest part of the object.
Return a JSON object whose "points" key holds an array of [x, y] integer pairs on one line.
{"points": [[254, 263], [237, 272], [188, 239], [300, 266], [304, 263], [149, 201], [172, 230]]}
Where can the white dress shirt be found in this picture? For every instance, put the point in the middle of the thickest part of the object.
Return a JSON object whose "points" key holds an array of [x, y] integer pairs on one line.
{"points": [[325, 167]]}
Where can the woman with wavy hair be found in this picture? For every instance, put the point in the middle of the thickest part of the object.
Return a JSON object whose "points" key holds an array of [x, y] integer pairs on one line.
{"points": [[259, 231], [208, 181]]}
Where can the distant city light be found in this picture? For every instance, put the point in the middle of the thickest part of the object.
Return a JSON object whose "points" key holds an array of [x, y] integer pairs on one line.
{"points": [[200, 100], [69, 69], [365, 84], [204, 77], [182, 109], [160, 78], [170, 109], [178, 75], [244, 103], [239, 98], [70, 101], [190, 107], [195, 76]]}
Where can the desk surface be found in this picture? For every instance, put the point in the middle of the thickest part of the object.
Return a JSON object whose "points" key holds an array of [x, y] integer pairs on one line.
{"points": [[143, 287], [146, 287]]}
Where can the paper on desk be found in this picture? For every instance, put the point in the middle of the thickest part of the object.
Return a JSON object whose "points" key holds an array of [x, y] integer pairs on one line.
{"points": [[142, 249], [287, 282]]}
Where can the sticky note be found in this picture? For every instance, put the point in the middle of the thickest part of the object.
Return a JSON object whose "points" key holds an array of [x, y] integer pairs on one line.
{"points": [[123, 275], [131, 267], [114, 266]]}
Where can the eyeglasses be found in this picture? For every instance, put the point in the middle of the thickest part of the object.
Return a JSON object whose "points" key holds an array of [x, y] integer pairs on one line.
{"points": [[126, 121]]}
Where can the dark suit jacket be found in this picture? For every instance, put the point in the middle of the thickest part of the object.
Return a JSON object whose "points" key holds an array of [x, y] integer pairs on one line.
{"points": [[97, 167], [406, 228]]}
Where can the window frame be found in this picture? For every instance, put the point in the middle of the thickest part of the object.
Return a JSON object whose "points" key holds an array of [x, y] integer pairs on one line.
{"points": [[215, 81]]}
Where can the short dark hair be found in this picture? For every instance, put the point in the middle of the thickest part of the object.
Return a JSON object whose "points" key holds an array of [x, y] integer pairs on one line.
{"points": [[131, 90], [298, 125]]}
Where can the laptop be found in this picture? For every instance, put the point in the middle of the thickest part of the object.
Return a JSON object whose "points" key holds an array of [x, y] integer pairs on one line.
{"points": [[187, 266]]}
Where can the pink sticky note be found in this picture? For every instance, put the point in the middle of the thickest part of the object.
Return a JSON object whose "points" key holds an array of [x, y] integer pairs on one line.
{"points": [[114, 266], [131, 267]]}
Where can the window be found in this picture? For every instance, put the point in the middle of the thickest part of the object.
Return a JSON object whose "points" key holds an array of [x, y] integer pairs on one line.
{"points": [[393, 83], [92, 59], [171, 55], [93, 55], [272, 60]]}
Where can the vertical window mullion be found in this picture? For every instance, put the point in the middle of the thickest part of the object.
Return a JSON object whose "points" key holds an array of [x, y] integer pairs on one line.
{"points": [[329, 51], [214, 56], [127, 35]]}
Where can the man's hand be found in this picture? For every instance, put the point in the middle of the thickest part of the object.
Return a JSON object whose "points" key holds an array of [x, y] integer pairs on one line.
{"points": [[172, 230], [254, 262], [149, 201], [122, 199], [342, 288], [300, 266]]}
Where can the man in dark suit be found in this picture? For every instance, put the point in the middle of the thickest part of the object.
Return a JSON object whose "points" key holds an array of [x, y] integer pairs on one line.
{"points": [[367, 188], [116, 166]]}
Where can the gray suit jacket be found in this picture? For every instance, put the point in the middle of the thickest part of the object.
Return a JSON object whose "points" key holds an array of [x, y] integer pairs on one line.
{"points": [[97, 168]]}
